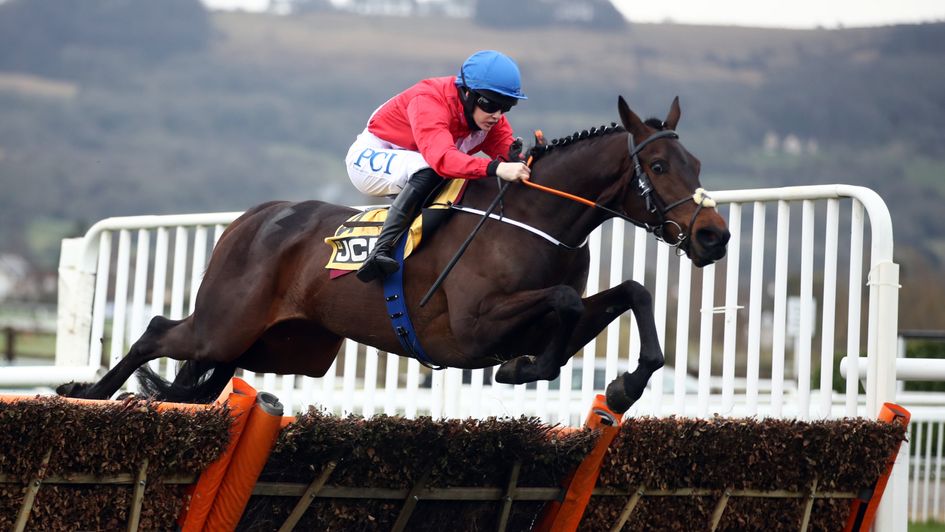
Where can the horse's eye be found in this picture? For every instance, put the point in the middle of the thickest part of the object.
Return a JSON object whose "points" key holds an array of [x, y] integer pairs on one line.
{"points": [[659, 167]]}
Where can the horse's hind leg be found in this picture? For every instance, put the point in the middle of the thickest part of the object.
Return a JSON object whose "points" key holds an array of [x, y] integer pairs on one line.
{"points": [[197, 381], [562, 304], [147, 348]]}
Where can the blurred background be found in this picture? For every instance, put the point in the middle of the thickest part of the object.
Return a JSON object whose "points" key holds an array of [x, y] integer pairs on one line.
{"points": [[127, 107]]}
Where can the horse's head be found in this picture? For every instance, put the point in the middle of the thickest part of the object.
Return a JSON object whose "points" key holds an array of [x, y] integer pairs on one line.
{"points": [[665, 192]]}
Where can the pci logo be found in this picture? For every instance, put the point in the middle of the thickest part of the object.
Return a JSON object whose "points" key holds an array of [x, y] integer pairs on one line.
{"points": [[354, 249], [376, 159]]}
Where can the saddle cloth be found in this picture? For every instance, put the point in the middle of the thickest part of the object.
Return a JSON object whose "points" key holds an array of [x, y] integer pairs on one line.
{"points": [[355, 238]]}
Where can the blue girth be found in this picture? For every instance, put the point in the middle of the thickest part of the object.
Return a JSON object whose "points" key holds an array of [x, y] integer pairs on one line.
{"points": [[397, 310]]}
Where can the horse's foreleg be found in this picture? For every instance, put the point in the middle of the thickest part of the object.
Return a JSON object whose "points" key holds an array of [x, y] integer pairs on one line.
{"points": [[626, 389], [599, 311], [604, 307], [141, 352], [511, 315]]}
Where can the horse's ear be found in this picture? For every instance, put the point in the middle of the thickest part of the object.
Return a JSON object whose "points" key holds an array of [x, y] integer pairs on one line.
{"points": [[673, 117], [631, 122]]}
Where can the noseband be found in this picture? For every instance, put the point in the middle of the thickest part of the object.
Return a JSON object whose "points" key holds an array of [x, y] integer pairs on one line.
{"points": [[655, 204]]}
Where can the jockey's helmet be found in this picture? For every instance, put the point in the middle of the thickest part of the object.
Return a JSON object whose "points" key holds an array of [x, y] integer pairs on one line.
{"points": [[492, 73]]}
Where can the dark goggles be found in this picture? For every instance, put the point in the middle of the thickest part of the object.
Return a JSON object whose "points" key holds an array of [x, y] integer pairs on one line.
{"points": [[490, 106]]}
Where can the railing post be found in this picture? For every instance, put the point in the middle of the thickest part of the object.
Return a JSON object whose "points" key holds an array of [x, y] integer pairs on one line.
{"points": [[76, 293], [884, 280]]}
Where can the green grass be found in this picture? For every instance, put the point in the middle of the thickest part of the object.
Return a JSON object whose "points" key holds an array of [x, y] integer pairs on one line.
{"points": [[927, 527]]}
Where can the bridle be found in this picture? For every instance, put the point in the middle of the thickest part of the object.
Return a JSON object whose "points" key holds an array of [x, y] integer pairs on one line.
{"points": [[655, 204]]}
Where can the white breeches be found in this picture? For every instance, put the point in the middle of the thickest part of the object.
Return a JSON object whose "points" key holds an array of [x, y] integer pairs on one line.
{"points": [[378, 168]]}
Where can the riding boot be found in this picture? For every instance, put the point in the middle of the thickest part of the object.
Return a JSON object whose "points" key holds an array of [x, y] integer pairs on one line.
{"points": [[403, 210]]}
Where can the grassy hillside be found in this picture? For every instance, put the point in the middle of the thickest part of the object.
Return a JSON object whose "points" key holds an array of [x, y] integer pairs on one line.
{"points": [[268, 106]]}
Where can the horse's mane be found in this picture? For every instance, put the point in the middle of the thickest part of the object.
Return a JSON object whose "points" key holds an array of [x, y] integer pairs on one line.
{"points": [[538, 151]]}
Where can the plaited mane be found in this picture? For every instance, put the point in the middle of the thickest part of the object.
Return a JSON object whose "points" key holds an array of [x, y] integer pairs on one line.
{"points": [[538, 152]]}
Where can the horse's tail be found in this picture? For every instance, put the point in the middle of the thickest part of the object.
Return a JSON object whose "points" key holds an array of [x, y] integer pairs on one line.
{"points": [[196, 382]]}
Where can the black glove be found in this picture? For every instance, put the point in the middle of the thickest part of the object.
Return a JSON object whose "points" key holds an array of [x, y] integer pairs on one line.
{"points": [[515, 151]]}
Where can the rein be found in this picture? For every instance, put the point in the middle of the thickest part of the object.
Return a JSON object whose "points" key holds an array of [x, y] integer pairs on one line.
{"points": [[701, 199]]}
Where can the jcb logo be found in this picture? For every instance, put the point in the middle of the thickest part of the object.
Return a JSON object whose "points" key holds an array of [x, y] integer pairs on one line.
{"points": [[355, 250]]}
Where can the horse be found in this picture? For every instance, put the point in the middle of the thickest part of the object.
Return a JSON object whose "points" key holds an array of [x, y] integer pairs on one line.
{"points": [[267, 304]]}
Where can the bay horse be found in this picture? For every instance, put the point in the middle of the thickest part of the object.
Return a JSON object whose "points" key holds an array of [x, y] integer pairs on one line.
{"points": [[267, 304]]}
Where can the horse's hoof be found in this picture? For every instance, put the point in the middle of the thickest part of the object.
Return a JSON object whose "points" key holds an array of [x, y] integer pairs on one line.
{"points": [[71, 389], [625, 390], [506, 374], [510, 372], [617, 400]]}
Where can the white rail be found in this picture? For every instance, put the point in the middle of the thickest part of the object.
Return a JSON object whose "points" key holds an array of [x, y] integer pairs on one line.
{"points": [[927, 432], [736, 345], [908, 369]]}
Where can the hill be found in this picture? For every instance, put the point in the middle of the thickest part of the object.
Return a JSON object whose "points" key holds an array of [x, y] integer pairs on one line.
{"points": [[258, 107]]}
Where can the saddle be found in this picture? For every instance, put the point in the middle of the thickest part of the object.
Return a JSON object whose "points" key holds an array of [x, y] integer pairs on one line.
{"points": [[354, 239]]}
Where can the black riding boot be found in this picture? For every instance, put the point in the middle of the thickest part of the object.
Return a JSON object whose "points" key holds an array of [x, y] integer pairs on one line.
{"points": [[403, 210]]}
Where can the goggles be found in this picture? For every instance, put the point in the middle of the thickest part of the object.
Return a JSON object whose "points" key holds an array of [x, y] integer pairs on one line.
{"points": [[490, 106]]}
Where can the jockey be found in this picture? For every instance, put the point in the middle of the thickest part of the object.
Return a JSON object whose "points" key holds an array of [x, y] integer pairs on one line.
{"points": [[430, 132]]}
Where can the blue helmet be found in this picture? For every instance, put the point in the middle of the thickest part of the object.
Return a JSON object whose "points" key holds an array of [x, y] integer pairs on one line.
{"points": [[492, 71]]}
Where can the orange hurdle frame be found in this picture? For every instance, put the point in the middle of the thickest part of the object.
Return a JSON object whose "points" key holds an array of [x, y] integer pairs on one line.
{"points": [[863, 511], [566, 514]]}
